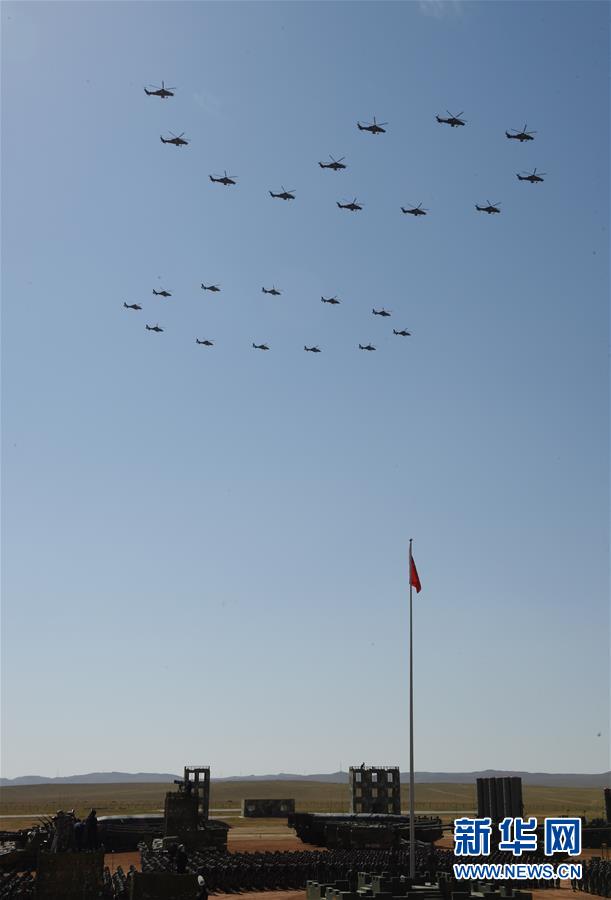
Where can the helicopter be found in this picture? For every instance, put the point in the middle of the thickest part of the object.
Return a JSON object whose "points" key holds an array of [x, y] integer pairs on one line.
{"points": [[366, 347], [312, 349], [131, 305], [225, 179], [373, 128], [381, 312], [211, 287], [162, 92], [353, 206], [283, 194], [403, 332], [273, 290], [521, 136], [531, 176], [205, 343], [453, 121], [491, 208], [336, 164], [260, 346], [332, 300], [177, 140], [153, 328], [161, 293], [415, 210]]}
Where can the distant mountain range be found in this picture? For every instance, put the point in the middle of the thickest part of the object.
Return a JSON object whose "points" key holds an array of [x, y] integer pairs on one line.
{"points": [[543, 779]]}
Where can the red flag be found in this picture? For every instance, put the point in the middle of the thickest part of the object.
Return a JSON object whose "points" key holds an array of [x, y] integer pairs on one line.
{"points": [[413, 575]]}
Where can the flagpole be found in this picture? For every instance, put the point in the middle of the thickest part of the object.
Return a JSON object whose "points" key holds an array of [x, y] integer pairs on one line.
{"points": [[412, 824]]}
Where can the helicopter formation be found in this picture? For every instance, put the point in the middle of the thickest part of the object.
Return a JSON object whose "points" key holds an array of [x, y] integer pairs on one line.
{"points": [[334, 301], [454, 120]]}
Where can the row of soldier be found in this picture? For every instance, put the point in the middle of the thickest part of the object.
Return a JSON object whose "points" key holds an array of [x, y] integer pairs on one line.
{"points": [[225, 872], [595, 877]]}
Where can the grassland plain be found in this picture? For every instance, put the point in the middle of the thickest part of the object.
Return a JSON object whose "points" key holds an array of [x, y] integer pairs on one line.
{"points": [[446, 800]]}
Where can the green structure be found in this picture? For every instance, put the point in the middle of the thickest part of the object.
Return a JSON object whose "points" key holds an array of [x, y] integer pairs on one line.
{"points": [[375, 789]]}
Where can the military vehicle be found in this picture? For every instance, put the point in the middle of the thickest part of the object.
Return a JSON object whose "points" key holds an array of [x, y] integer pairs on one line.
{"points": [[361, 829]]}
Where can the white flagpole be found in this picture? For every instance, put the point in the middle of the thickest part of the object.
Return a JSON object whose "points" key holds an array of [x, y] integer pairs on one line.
{"points": [[412, 823]]}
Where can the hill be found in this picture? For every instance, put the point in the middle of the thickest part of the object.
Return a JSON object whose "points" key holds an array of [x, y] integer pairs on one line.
{"points": [[543, 779]]}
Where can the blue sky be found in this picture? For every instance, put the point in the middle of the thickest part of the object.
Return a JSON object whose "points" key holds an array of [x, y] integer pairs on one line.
{"points": [[205, 551]]}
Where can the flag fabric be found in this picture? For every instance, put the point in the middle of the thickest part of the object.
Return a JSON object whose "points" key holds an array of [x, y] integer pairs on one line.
{"points": [[413, 575]]}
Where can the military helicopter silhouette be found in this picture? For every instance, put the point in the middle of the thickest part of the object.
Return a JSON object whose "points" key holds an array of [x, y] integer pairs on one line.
{"points": [[491, 208], [163, 293], [162, 92], [353, 206], [415, 210], [153, 328], [312, 349], [131, 305], [532, 176], [453, 121], [366, 347], [332, 300], [403, 332], [521, 136], [283, 194], [336, 164], [260, 346], [215, 288], [177, 140], [273, 290], [204, 343], [374, 127], [381, 312], [225, 179]]}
